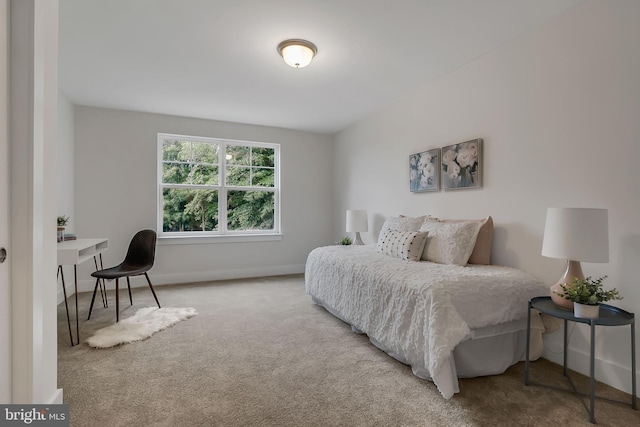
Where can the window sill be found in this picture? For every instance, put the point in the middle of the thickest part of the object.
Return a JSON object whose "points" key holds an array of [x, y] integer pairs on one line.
{"points": [[205, 240]]}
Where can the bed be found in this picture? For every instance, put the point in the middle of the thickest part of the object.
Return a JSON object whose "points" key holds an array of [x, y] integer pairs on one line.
{"points": [[446, 321]]}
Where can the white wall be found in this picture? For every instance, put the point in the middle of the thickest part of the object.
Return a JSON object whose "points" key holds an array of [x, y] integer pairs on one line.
{"points": [[115, 166], [33, 137], [559, 112], [66, 169]]}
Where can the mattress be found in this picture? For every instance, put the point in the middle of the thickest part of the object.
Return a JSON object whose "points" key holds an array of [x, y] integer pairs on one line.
{"points": [[418, 312]]}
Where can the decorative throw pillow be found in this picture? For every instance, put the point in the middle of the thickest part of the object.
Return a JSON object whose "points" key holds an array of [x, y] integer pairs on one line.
{"points": [[482, 250], [449, 242], [402, 223], [407, 245]]}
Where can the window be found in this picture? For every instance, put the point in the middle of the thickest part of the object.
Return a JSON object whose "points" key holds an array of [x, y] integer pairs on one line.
{"points": [[209, 187]]}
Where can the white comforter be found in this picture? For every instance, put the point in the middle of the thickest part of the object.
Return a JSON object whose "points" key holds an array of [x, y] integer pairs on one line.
{"points": [[420, 310]]}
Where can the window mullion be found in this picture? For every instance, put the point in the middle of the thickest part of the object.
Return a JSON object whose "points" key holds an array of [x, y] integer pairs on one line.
{"points": [[222, 210]]}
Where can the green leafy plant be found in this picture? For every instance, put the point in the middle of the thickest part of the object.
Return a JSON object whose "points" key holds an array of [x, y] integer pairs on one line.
{"points": [[345, 241], [63, 220], [588, 291]]}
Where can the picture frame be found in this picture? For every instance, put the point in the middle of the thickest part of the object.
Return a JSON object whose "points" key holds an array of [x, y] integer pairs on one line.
{"points": [[424, 171], [461, 165]]}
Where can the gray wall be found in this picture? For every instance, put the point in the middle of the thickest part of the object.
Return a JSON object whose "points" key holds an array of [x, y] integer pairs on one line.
{"points": [[115, 193]]}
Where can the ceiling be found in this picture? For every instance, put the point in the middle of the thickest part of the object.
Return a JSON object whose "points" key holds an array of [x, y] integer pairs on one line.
{"points": [[217, 59]]}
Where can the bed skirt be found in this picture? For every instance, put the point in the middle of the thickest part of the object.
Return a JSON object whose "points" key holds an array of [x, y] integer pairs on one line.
{"points": [[491, 350]]}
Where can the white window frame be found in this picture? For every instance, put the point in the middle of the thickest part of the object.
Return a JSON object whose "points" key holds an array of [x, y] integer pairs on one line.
{"points": [[222, 233]]}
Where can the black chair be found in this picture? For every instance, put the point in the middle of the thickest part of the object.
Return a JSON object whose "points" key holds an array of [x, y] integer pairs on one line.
{"points": [[139, 260]]}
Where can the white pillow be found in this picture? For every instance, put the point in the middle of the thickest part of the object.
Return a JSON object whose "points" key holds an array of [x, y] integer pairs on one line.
{"points": [[449, 243], [402, 223], [407, 245]]}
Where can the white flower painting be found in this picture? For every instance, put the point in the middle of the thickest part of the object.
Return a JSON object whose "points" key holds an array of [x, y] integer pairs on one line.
{"points": [[461, 165], [424, 171]]}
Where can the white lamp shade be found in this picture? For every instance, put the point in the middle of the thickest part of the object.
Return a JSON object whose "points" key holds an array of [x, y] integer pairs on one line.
{"points": [[357, 221], [297, 56], [577, 234]]}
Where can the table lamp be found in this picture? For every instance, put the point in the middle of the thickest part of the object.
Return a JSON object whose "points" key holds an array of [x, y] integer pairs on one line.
{"points": [[575, 234], [357, 221]]}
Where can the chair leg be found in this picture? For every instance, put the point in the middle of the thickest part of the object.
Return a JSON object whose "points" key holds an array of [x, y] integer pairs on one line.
{"points": [[152, 291], [117, 300], [129, 286], [93, 298], [103, 293]]}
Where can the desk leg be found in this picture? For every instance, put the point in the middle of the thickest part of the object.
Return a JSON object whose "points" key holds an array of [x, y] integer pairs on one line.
{"points": [[592, 372], [66, 305], [104, 284], [75, 283]]}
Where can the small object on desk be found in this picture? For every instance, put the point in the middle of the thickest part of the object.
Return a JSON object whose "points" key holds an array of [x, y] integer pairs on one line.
{"points": [[609, 316]]}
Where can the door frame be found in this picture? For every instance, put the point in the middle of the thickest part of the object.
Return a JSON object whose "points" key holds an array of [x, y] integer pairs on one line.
{"points": [[5, 267]]}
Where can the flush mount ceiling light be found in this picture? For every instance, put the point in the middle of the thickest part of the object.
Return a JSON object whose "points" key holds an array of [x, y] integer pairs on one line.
{"points": [[297, 53]]}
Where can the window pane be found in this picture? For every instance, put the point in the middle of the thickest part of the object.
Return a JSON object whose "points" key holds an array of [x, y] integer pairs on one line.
{"points": [[263, 177], [238, 155], [204, 153], [250, 210], [263, 157], [171, 149], [204, 174], [189, 210], [238, 175], [175, 173]]}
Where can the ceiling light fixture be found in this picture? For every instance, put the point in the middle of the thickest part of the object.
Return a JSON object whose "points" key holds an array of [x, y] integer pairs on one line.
{"points": [[297, 53]]}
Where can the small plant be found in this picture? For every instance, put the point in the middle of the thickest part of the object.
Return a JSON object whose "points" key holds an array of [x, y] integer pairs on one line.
{"points": [[345, 241], [588, 291], [63, 220]]}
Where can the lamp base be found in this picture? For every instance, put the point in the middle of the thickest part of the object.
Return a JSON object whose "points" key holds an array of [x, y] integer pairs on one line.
{"points": [[357, 240], [574, 270]]}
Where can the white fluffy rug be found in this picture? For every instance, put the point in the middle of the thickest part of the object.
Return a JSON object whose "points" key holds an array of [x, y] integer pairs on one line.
{"points": [[146, 322]]}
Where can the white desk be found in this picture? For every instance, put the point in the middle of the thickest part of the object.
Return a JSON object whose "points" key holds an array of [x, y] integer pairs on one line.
{"points": [[74, 252]]}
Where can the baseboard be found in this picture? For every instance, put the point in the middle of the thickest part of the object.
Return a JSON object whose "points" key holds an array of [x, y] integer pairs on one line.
{"points": [[612, 374], [243, 273], [192, 277]]}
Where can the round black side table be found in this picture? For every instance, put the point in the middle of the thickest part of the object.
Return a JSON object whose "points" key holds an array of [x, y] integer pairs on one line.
{"points": [[609, 316]]}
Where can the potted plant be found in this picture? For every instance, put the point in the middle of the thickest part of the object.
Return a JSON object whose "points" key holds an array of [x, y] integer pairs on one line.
{"points": [[62, 225], [346, 241], [587, 295]]}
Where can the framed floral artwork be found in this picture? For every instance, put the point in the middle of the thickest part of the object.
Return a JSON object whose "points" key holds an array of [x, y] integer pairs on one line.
{"points": [[462, 165], [424, 171]]}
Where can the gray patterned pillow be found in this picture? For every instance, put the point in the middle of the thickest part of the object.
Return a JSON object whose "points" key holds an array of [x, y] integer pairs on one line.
{"points": [[407, 245]]}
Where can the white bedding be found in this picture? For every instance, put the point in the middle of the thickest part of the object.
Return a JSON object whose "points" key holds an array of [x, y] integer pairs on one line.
{"points": [[420, 310]]}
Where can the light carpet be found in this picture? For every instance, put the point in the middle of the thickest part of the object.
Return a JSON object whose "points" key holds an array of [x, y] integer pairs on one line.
{"points": [[146, 322], [259, 353]]}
